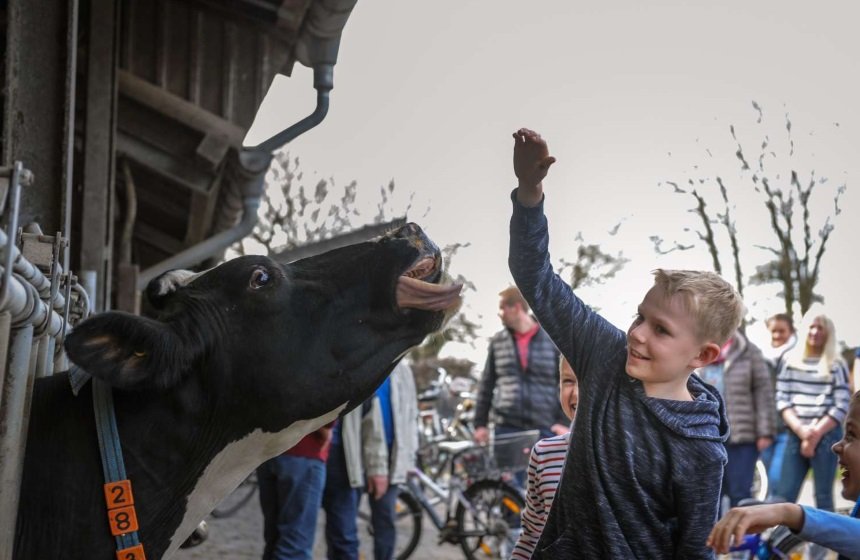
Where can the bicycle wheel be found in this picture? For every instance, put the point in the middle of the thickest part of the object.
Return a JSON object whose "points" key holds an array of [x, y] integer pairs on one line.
{"points": [[408, 516], [490, 524], [237, 498]]}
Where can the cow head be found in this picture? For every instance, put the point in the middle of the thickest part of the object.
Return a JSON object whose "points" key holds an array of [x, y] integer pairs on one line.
{"points": [[292, 341]]}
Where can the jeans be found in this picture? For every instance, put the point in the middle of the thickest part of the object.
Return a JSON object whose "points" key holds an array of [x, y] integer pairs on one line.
{"points": [[382, 520], [290, 495], [772, 458], [520, 475], [738, 475], [823, 464], [340, 502]]}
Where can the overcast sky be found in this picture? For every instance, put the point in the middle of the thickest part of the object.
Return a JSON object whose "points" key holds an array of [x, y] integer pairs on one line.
{"points": [[628, 94]]}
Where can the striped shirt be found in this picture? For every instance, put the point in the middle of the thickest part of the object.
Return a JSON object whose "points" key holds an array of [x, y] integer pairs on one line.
{"points": [[545, 465], [811, 394]]}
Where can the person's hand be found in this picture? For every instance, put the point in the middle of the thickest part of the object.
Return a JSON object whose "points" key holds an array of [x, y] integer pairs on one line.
{"points": [[559, 429], [740, 521], [803, 431], [377, 485], [482, 435], [763, 443], [808, 445], [531, 164]]}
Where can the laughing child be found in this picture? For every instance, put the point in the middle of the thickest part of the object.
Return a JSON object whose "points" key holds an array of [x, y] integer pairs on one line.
{"points": [[831, 530], [545, 466], [645, 479]]}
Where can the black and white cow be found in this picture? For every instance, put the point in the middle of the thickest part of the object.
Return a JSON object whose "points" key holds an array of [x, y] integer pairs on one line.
{"points": [[241, 363]]}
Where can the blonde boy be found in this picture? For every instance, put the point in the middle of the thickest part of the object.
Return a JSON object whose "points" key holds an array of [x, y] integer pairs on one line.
{"points": [[645, 479]]}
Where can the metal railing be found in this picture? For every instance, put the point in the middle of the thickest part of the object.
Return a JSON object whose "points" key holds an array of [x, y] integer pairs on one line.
{"points": [[38, 300]]}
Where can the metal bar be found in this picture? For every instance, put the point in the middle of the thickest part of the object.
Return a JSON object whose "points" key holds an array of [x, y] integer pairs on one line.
{"points": [[5, 331], [13, 433], [99, 143], [69, 126]]}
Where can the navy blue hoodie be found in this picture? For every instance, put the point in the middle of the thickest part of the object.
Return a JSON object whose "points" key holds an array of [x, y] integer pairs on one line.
{"points": [[642, 476]]}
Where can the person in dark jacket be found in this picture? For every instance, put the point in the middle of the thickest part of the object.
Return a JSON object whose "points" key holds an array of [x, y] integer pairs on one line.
{"points": [[520, 380], [645, 479]]}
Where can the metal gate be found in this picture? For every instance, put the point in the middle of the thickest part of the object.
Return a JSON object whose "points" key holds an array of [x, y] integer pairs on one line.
{"points": [[38, 302]]}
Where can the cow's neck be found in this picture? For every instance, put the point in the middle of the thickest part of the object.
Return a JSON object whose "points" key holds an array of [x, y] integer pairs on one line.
{"points": [[234, 463], [191, 455]]}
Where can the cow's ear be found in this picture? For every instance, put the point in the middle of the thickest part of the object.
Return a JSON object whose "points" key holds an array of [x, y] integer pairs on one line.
{"points": [[127, 351]]}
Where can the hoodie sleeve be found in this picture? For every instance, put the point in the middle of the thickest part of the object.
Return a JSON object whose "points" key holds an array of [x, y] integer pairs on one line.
{"points": [[583, 336], [697, 499]]}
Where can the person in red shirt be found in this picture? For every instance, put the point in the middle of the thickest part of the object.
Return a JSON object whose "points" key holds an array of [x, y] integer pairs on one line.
{"points": [[291, 487], [520, 380]]}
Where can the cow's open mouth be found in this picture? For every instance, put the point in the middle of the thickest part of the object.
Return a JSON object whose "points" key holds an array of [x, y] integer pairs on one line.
{"points": [[419, 288]]}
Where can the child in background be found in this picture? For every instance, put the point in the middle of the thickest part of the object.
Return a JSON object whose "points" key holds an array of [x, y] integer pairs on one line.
{"points": [[645, 479], [545, 465], [836, 532]]}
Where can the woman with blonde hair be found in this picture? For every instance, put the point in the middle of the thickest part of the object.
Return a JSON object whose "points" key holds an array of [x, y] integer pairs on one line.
{"points": [[812, 395]]}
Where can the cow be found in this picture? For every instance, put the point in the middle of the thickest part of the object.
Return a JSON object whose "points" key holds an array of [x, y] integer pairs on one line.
{"points": [[239, 364]]}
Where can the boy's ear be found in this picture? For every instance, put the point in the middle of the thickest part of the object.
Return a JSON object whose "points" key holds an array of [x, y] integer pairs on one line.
{"points": [[709, 352], [128, 352]]}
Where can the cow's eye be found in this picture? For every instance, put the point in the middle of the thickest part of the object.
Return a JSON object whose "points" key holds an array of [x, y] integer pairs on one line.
{"points": [[259, 278]]}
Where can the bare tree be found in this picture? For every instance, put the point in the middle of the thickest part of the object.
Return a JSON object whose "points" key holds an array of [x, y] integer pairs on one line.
{"points": [[592, 265], [793, 260]]}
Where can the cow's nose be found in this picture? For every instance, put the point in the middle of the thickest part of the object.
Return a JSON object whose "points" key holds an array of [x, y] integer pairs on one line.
{"points": [[409, 231], [413, 233]]}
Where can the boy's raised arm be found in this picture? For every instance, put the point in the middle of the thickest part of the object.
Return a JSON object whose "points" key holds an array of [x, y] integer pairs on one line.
{"points": [[531, 163]]}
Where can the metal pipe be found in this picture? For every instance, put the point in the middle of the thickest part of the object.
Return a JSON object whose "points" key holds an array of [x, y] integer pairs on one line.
{"points": [[13, 433], [31, 273], [254, 162]]}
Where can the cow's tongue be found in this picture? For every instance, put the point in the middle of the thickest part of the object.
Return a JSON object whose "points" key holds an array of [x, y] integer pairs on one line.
{"points": [[418, 294]]}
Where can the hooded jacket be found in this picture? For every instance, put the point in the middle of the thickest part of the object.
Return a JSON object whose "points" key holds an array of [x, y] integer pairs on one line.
{"points": [[643, 477]]}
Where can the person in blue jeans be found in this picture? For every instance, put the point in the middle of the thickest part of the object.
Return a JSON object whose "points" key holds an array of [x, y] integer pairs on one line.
{"points": [[782, 339], [291, 487], [812, 397], [823, 528], [356, 443], [398, 404]]}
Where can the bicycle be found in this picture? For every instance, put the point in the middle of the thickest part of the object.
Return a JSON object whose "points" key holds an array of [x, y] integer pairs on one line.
{"points": [[237, 498], [481, 508], [779, 542]]}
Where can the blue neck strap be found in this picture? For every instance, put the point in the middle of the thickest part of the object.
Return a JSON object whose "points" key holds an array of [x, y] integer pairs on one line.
{"points": [[108, 435]]}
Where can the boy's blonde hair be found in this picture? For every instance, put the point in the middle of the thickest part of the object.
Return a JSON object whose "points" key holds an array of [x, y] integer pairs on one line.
{"points": [[716, 306]]}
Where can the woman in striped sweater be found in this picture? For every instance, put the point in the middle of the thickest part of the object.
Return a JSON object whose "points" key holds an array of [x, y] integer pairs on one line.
{"points": [[545, 465], [812, 397]]}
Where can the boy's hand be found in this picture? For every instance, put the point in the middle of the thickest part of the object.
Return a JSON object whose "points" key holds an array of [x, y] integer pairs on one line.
{"points": [[531, 164]]}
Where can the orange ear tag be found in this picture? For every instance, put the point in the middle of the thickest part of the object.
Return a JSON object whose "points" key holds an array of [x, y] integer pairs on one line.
{"points": [[118, 494], [122, 520], [131, 553]]}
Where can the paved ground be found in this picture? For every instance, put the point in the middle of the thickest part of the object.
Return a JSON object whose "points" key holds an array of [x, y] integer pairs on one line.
{"points": [[240, 537]]}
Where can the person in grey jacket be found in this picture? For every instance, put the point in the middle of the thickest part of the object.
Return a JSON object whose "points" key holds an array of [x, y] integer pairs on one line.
{"points": [[373, 447], [742, 376]]}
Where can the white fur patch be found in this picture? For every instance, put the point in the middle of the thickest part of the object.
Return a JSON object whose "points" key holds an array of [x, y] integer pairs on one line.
{"points": [[170, 281], [233, 464]]}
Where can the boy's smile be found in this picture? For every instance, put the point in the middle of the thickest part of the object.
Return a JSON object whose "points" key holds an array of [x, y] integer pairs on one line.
{"points": [[848, 451], [663, 347]]}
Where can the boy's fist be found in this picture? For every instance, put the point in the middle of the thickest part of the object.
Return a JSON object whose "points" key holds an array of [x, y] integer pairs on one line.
{"points": [[531, 163]]}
